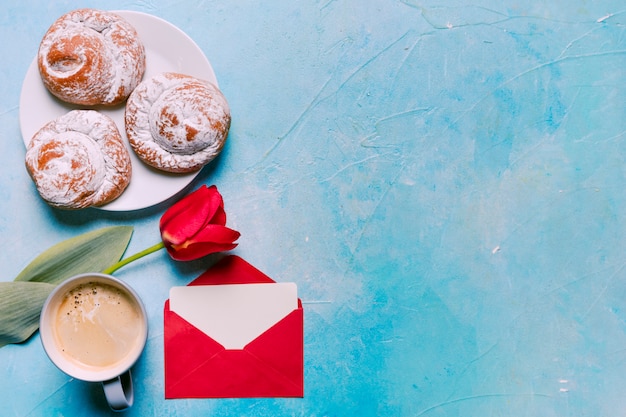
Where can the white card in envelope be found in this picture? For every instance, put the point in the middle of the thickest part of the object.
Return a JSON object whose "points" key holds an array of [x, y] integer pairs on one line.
{"points": [[234, 314]]}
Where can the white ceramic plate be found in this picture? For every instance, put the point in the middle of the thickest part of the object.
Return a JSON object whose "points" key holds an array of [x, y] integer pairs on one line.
{"points": [[167, 49]]}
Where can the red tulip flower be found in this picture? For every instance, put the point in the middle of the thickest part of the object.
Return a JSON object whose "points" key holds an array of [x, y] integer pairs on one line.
{"points": [[192, 228], [196, 226]]}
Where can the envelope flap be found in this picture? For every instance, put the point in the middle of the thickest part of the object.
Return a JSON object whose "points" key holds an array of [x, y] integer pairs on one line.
{"points": [[287, 357], [198, 348], [234, 314], [231, 270]]}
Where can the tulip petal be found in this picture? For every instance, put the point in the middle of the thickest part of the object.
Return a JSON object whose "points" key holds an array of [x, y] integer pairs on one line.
{"points": [[214, 238], [182, 205], [185, 218], [220, 216], [199, 250], [215, 233]]}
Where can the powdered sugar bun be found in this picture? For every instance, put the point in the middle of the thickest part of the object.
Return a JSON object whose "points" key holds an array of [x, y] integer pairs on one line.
{"points": [[177, 123], [79, 160], [91, 57]]}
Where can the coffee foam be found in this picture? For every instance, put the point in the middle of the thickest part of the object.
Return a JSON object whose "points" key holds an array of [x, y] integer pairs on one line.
{"points": [[96, 325]]}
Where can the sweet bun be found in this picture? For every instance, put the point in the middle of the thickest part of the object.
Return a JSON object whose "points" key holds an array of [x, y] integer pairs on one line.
{"points": [[177, 123], [79, 160], [91, 57]]}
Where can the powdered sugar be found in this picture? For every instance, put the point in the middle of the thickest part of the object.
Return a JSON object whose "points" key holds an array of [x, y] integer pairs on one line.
{"points": [[79, 160], [91, 57], [177, 123]]}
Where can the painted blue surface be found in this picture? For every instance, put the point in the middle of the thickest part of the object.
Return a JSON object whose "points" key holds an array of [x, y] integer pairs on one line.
{"points": [[444, 182]]}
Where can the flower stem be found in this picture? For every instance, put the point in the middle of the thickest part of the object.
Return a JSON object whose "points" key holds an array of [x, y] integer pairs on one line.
{"points": [[134, 257]]}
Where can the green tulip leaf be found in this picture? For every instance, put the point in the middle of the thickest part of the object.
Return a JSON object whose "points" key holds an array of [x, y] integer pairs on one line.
{"points": [[90, 252], [20, 306]]}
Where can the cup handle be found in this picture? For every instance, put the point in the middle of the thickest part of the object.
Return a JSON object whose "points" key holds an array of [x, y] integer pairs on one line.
{"points": [[119, 391]]}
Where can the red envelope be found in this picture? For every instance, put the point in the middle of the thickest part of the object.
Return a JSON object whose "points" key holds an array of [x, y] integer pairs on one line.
{"points": [[197, 366]]}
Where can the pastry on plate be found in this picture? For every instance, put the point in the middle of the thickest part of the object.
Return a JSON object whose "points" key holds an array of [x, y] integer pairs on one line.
{"points": [[91, 57], [177, 123], [79, 160]]}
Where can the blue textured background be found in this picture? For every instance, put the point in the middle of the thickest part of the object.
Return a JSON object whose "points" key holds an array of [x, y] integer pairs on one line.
{"points": [[443, 181]]}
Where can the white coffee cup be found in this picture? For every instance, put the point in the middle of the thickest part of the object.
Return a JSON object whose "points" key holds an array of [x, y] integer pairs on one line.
{"points": [[94, 327]]}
